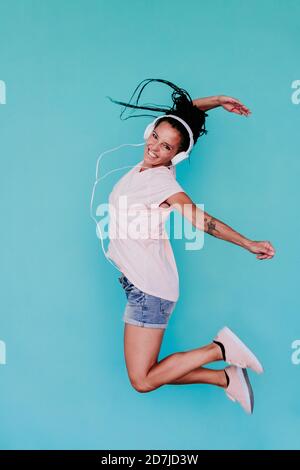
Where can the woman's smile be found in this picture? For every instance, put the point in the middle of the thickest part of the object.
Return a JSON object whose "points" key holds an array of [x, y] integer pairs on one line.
{"points": [[152, 155]]}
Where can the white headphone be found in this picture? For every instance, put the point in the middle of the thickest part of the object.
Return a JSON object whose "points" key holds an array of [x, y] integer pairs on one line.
{"points": [[181, 155]]}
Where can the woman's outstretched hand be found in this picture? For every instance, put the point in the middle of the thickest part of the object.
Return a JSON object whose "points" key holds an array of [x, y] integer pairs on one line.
{"points": [[263, 250], [233, 105]]}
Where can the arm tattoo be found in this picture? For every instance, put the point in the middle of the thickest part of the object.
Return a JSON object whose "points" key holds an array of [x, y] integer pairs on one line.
{"points": [[211, 225]]}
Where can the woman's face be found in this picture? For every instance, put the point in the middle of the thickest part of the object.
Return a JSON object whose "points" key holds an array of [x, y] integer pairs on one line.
{"points": [[162, 145]]}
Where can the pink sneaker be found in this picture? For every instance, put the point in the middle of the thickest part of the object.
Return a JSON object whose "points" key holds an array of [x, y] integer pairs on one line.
{"points": [[236, 352], [239, 388]]}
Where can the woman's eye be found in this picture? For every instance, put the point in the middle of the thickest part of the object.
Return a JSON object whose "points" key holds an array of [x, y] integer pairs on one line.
{"points": [[166, 146]]}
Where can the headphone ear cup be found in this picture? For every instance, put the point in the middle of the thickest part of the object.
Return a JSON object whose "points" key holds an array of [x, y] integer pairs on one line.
{"points": [[148, 130], [179, 157]]}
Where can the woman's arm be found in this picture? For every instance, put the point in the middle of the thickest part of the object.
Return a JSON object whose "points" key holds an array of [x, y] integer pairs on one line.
{"points": [[204, 221], [233, 105], [207, 103]]}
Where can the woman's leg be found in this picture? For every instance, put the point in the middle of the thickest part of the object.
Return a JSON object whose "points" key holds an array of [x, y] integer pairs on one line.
{"points": [[142, 346], [202, 375]]}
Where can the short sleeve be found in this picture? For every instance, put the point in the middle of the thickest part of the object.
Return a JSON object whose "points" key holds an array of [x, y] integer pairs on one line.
{"points": [[162, 186]]}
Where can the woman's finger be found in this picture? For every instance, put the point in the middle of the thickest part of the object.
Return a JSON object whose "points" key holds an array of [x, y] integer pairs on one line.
{"points": [[241, 109], [238, 104], [265, 256], [236, 109]]}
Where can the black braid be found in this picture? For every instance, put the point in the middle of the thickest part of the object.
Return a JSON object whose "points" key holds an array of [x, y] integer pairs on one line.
{"points": [[182, 107]]}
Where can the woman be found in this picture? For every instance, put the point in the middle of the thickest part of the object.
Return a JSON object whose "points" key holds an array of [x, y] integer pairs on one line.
{"points": [[149, 274]]}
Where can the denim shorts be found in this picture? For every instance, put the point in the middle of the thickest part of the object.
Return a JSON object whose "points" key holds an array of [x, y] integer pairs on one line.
{"points": [[144, 309]]}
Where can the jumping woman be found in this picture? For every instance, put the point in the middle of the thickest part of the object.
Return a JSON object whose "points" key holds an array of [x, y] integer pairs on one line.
{"points": [[146, 262]]}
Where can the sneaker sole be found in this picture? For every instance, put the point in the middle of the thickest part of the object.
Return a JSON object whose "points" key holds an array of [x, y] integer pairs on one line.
{"points": [[245, 382], [249, 388], [237, 340]]}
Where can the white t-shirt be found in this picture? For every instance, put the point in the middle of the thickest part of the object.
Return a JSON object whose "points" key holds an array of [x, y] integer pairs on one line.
{"points": [[139, 244]]}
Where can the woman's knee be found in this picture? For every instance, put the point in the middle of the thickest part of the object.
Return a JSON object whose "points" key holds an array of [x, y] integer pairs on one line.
{"points": [[140, 385]]}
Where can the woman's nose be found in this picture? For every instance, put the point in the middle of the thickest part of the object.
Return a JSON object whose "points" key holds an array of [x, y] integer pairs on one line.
{"points": [[154, 146]]}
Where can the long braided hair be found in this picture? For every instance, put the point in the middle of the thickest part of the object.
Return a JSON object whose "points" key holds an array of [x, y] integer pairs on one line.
{"points": [[182, 107]]}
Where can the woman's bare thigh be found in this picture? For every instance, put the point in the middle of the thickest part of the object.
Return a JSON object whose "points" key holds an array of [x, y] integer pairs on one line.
{"points": [[141, 349]]}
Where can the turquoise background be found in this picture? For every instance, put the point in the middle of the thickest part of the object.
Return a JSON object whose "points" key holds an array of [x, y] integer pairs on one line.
{"points": [[65, 383]]}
